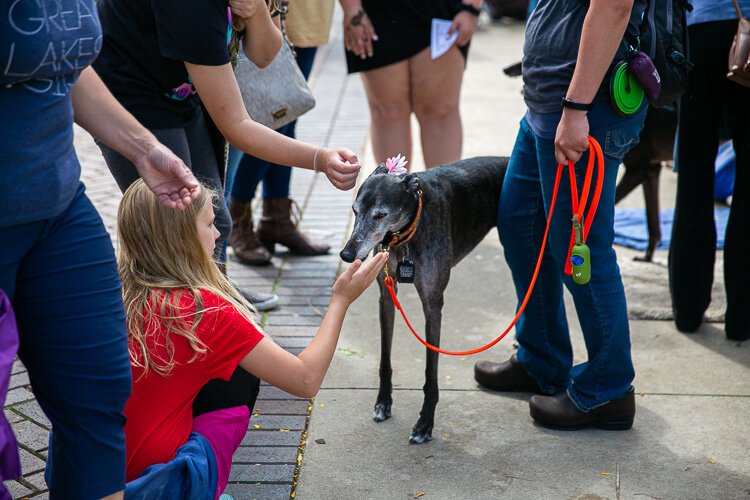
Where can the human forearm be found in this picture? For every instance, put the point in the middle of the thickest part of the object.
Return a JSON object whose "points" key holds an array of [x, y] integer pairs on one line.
{"points": [[99, 113], [262, 142], [348, 5], [302, 375], [262, 38], [219, 92], [602, 33], [298, 375], [474, 3], [316, 358]]}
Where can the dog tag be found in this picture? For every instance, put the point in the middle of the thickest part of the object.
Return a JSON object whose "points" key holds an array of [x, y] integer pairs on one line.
{"points": [[405, 272]]}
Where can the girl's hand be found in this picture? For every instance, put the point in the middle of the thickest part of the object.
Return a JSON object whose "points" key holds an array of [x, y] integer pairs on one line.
{"points": [[341, 166], [246, 8], [466, 24], [357, 278], [359, 33]]}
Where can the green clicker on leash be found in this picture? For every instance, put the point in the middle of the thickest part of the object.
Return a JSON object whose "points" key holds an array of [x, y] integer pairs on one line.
{"points": [[580, 256]]}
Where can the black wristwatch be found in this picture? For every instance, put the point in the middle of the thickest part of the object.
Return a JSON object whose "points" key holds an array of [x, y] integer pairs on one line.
{"points": [[577, 105], [469, 8]]}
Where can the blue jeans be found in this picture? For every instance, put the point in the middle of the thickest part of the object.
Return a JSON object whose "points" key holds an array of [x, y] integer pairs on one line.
{"points": [[244, 172], [61, 275], [545, 350]]}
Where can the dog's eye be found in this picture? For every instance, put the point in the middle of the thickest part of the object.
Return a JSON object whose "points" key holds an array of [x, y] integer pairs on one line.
{"points": [[379, 215]]}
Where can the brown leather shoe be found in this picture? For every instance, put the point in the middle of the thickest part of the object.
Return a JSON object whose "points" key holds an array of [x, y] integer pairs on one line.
{"points": [[277, 226], [245, 243], [508, 376], [559, 412]]}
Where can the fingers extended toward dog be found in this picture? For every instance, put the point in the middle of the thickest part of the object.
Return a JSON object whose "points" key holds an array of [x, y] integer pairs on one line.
{"points": [[372, 267], [358, 276]]}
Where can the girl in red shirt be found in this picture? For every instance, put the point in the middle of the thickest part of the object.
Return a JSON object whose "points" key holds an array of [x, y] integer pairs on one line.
{"points": [[187, 326]]}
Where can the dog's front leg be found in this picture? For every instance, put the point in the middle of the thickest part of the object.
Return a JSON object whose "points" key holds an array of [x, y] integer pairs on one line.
{"points": [[385, 397], [432, 304]]}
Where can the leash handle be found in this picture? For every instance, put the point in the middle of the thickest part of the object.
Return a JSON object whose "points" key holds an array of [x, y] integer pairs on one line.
{"points": [[596, 158], [579, 207]]}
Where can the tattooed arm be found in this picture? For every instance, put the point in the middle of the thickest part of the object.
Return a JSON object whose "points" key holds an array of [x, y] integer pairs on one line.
{"points": [[359, 33]]}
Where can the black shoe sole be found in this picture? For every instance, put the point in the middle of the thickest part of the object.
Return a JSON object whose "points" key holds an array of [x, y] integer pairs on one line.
{"points": [[607, 424]]}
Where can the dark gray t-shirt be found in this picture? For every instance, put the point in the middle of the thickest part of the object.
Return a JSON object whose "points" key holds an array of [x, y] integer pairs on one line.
{"points": [[553, 34]]}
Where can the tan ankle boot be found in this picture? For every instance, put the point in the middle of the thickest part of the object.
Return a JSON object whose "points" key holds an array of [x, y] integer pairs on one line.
{"points": [[277, 226], [247, 247]]}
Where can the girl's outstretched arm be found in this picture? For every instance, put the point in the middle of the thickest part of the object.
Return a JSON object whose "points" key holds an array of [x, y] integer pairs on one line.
{"points": [[302, 375]]}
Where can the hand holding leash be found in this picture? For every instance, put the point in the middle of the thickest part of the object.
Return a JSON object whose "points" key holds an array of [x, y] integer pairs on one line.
{"points": [[571, 139]]}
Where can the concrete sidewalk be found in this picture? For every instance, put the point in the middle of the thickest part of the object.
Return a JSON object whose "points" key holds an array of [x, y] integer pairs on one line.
{"points": [[690, 439]]}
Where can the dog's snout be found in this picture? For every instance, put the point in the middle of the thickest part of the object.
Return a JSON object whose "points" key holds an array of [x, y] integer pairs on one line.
{"points": [[347, 255]]}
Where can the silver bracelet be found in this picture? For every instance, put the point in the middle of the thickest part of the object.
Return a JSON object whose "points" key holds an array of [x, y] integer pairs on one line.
{"points": [[315, 159]]}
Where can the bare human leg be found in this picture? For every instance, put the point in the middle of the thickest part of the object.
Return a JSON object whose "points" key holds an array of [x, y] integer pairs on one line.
{"points": [[387, 91], [435, 92]]}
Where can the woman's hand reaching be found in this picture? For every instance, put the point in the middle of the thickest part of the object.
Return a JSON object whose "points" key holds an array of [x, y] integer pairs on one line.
{"points": [[341, 166], [167, 176]]}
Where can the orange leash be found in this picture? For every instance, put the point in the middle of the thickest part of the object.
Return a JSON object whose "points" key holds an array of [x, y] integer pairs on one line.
{"points": [[595, 155]]}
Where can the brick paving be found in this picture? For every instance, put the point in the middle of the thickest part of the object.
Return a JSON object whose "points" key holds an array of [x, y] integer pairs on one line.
{"points": [[267, 462]]}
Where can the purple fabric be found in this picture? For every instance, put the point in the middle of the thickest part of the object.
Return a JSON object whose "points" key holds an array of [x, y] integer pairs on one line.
{"points": [[645, 72], [224, 430], [10, 464]]}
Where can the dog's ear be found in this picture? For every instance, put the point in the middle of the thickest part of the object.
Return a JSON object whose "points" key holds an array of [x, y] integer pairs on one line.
{"points": [[382, 169], [411, 183]]}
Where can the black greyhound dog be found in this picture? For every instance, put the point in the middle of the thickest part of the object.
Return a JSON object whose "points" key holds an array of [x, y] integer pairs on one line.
{"points": [[458, 205]]}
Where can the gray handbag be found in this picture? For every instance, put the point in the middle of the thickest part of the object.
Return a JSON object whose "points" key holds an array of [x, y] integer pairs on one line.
{"points": [[277, 94]]}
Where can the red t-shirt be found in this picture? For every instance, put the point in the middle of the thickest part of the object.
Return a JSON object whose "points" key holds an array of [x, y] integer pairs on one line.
{"points": [[160, 409]]}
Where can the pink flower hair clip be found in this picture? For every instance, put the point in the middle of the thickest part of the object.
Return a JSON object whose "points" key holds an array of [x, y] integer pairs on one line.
{"points": [[396, 165]]}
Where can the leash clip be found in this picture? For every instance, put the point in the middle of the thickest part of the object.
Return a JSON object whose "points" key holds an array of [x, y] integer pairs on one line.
{"points": [[578, 228]]}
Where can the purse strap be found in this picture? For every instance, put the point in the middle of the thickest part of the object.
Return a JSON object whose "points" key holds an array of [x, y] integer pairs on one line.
{"points": [[737, 8]]}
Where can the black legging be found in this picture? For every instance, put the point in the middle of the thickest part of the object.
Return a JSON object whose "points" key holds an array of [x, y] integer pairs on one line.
{"points": [[712, 102]]}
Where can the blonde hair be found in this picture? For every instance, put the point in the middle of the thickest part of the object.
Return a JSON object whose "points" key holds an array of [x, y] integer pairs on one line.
{"points": [[160, 259]]}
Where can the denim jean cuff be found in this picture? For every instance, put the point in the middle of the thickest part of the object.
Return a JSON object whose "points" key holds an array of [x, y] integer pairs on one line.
{"points": [[587, 408], [576, 401]]}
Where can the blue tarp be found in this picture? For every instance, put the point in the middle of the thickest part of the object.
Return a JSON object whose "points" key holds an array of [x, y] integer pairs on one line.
{"points": [[724, 177], [631, 230]]}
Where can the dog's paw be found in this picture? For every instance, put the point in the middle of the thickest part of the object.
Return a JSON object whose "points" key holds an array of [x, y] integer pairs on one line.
{"points": [[421, 433], [382, 412]]}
